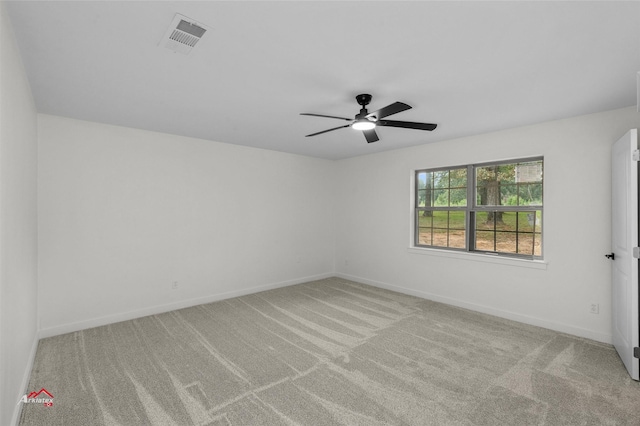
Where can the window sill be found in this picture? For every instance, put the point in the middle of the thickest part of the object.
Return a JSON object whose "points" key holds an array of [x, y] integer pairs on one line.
{"points": [[480, 257]]}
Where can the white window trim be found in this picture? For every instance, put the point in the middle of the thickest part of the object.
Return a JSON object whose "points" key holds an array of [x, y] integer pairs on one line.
{"points": [[479, 257]]}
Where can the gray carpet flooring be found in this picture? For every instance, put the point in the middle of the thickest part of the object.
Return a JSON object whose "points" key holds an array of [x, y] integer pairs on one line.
{"points": [[329, 352]]}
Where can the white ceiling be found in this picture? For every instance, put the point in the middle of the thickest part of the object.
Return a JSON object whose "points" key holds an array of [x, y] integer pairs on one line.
{"points": [[470, 67]]}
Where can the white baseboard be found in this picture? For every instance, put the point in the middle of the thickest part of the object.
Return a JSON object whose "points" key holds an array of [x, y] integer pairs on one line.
{"points": [[526, 319], [25, 380], [153, 310]]}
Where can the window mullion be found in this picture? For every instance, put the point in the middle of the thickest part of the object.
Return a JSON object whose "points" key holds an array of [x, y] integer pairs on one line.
{"points": [[507, 208], [471, 202], [517, 232]]}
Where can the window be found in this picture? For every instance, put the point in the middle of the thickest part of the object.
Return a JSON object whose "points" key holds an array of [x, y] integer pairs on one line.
{"points": [[489, 208]]}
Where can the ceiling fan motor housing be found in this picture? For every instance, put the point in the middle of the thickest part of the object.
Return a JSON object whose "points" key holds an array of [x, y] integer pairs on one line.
{"points": [[363, 99]]}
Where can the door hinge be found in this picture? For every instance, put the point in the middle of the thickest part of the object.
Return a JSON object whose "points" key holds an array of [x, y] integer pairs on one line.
{"points": [[636, 352], [636, 252], [635, 155]]}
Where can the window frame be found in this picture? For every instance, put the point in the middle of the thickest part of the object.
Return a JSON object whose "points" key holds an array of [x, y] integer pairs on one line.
{"points": [[449, 208], [472, 209]]}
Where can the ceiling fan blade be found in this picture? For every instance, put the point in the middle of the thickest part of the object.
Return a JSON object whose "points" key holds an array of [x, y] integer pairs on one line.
{"points": [[394, 108], [329, 130], [407, 124], [370, 135], [326, 116]]}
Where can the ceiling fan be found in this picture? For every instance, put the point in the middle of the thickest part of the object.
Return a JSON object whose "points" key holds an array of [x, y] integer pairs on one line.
{"points": [[368, 121]]}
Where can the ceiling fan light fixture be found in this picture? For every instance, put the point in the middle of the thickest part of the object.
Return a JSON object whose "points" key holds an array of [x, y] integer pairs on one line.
{"points": [[363, 124]]}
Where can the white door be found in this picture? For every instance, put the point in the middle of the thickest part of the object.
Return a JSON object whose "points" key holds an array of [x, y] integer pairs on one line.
{"points": [[624, 237]]}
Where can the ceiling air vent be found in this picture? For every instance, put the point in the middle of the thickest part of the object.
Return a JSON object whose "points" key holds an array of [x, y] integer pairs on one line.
{"points": [[183, 34]]}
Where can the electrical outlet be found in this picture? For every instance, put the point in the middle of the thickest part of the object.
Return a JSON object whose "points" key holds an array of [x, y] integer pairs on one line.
{"points": [[174, 286], [595, 308]]}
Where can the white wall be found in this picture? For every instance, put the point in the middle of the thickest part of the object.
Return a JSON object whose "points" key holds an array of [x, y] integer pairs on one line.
{"points": [[373, 211], [125, 213], [18, 225]]}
